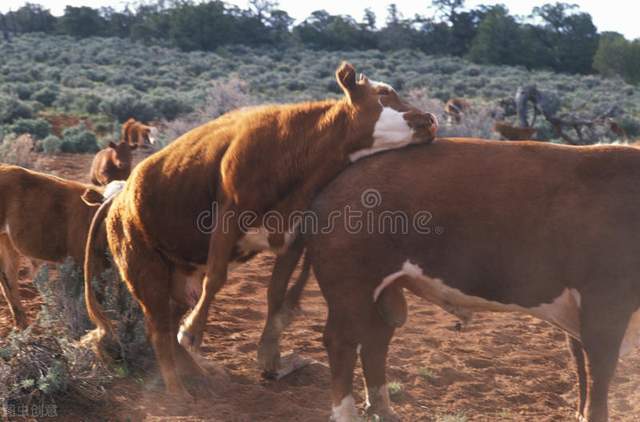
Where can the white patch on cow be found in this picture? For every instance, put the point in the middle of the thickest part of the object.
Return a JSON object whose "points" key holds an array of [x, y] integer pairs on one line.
{"points": [[358, 348], [113, 188], [257, 240], [391, 131], [563, 311], [377, 397], [180, 338], [346, 411], [631, 338], [254, 240], [153, 135]]}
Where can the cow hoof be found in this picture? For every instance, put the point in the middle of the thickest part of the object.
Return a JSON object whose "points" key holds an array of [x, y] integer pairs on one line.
{"points": [[580, 417], [268, 358], [189, 341], [288, 365], [383, 415]]}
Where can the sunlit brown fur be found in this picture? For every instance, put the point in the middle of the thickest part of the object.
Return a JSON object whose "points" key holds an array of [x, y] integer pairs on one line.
{"points": [[136, 133], [273, 157], [41, 217], [112, 163]]}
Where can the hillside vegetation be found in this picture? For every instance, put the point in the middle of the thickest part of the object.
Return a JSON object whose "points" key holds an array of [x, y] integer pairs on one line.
{"points": [[101, 81]]}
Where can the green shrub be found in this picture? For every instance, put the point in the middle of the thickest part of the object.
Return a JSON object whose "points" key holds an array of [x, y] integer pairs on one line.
{"points": [[128, 105], [45, 364], [631, 126], [51, 145], [24, 90], [78, 139], [39, 128], [46, 96], [170, 107], [88, 103], [11, 109]]}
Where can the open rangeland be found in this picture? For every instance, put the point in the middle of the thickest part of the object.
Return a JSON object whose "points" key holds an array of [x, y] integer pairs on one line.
{"points": [[501, 367]]}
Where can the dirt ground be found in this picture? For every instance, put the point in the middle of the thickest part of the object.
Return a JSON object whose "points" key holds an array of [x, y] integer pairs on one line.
{"points": [[501, 367]]}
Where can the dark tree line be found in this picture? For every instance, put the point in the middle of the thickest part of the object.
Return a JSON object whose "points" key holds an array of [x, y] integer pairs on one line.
{"points": [[562, 39]]}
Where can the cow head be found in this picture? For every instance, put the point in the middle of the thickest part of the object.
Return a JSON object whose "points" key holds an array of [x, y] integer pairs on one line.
{"points": [[380, 111], [122, 155], [137, 133]]}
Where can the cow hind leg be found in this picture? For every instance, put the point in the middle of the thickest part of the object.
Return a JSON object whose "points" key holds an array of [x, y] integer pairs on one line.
{"points": [[577, 352], [373, 355], [9, 259], [603, 324], [151, 287], [342, 352]]}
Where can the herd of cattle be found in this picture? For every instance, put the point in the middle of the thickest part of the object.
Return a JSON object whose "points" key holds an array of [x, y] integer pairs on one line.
{"points": [[543, 229]]}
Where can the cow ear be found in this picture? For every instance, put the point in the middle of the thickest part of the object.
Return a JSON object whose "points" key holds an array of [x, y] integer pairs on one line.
{"points": [[112, 145], [346, 77], [92, 197]]}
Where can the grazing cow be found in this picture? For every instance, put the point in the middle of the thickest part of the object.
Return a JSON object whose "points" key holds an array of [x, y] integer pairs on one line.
{"points": [[112, 163], [513, 133], [455, 108], [43, 218], [166, 238], [547, 230], [137, 133]]}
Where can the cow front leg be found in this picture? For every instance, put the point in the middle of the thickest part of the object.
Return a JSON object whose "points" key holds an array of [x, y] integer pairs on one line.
{"points": [[221, 244]]}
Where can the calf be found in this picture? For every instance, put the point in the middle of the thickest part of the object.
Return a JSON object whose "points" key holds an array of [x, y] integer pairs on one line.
{"points": [[513, 133], [165, 237], [543, 229], [112, 163], [137, 133], [43, 218]]}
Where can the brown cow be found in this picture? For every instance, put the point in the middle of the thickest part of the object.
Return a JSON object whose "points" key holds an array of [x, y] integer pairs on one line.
{"points": [[543, 229], [112, 163], [137, 133], [256, 159], [513, 133], [455, 108], [43, 218]]}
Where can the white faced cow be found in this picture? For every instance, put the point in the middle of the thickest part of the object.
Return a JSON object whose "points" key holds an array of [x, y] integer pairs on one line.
{"points": [[260, 159], [551, 231]]}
